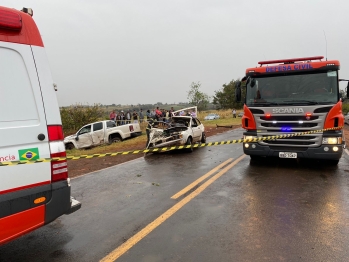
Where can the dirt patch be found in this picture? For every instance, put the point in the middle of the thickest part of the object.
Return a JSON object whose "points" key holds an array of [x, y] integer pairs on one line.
{"points": [[83, 166]]}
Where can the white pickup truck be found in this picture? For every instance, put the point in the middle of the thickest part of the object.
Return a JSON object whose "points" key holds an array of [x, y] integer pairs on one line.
{"points": [[102, 132]]}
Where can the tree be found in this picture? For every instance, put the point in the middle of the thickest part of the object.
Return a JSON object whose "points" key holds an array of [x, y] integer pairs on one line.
{"points": [[225, 97], [78, 115], [196, 97]]}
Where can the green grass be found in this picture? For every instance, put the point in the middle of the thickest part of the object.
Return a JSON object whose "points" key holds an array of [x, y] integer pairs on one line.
{"points": [[222, 122]]}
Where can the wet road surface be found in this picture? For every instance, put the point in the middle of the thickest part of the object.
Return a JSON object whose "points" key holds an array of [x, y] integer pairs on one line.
{"points": [[278, 210]]}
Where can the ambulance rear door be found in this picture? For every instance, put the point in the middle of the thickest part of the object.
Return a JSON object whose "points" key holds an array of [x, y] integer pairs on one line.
{"points": [[23, 126]]}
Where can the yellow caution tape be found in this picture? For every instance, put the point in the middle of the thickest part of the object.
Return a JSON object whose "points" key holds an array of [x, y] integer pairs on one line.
{"points": [[164, 149]]}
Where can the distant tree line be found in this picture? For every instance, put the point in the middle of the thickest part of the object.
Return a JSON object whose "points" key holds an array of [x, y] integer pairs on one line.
{"points": [[225, 97], [222, 99], [76, 116]]}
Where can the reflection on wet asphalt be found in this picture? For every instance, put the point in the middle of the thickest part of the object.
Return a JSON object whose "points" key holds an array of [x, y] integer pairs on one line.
{"points": [[269, 210]]}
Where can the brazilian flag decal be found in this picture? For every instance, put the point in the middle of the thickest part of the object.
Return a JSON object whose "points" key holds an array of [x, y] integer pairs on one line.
{"points": [[29, 154]]}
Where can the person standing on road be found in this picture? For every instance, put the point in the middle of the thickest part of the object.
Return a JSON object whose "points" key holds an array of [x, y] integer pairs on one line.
{"points": [[170, 112], [112, 115], [163, 115], [167, 116], [141, 116], [128, 117], [152, 113], [234, 113], [118, 119], [148, 114], [158, 114], [122, 117], [135, 116]]}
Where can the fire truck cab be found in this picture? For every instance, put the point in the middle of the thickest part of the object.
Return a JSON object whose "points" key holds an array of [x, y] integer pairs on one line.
{"points": [[290, 96]]}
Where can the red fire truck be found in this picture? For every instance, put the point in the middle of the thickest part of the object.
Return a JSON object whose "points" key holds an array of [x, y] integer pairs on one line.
{"points": [[290, 96]]}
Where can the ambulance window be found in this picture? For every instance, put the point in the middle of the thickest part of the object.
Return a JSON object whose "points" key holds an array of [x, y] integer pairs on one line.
{"points": [[16, 93], [97, 126]]}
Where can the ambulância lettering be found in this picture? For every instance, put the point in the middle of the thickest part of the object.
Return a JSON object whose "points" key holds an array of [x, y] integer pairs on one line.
{"points": [[7, 158]]}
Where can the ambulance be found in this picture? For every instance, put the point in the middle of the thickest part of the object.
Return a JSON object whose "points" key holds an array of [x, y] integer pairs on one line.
{"points": [[31, 195]]}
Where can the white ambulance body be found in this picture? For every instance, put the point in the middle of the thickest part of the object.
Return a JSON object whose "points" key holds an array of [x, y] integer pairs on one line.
{"points": [[31, 195]]}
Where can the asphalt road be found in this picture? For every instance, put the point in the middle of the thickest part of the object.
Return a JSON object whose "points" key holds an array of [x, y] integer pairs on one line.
{"points": [[280, 210]]}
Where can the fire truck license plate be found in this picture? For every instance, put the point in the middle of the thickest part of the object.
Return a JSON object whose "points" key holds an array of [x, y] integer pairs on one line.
{"points": [[287, 155]]}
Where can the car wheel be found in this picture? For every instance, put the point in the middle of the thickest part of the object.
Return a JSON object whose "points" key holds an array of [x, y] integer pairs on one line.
{"points": [[115, 140], [69, 146], [203, 137], [189, 142]]}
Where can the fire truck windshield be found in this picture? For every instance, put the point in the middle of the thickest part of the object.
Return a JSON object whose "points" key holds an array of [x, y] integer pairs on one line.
{"points": [[314, 88]]}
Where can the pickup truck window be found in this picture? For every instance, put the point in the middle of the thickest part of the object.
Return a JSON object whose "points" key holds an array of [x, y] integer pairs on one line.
{"points": [[111, 124], [85, 129], [97, 126]]}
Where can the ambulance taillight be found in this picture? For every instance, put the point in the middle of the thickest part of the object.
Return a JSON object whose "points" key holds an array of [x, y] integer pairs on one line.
{"points": [[59, 168]]}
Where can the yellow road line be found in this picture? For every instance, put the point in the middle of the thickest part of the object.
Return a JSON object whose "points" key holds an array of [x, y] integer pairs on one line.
{"points": [[115, 254], [196, 182]]}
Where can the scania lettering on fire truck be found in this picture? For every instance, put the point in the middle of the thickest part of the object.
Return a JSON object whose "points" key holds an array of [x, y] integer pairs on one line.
{"points": [[31, 195], [291, 96]]}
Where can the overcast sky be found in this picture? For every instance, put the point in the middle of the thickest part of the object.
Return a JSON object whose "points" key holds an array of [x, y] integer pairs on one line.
{"points": [[138, 51]]}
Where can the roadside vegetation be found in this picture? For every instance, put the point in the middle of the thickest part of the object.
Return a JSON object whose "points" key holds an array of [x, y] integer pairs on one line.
{"points": [[345, 107], [77, 116]]}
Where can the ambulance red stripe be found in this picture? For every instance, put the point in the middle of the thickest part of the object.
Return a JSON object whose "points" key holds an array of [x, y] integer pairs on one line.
{"points": [[13, 226], [24, 187]]}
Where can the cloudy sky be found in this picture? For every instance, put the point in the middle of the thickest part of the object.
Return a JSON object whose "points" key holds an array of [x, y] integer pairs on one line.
{"points": [[138, 51]]}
